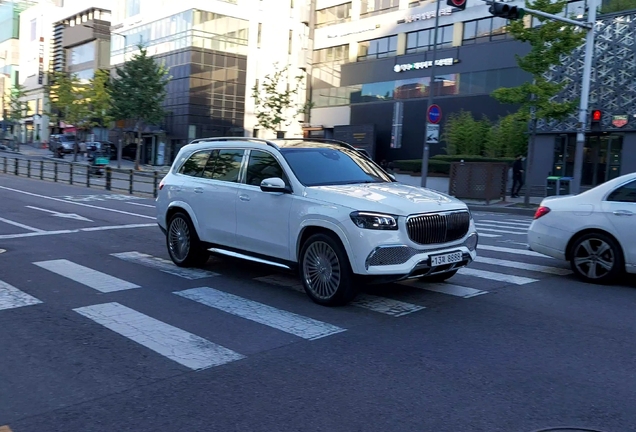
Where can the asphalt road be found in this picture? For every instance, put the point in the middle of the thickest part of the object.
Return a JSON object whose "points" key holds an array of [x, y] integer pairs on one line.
{"points": [[100, 332]]}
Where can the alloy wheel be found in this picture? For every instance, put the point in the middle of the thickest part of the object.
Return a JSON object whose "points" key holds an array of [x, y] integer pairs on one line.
{"points": [[179, 238], [594, 258], [321, 270]]}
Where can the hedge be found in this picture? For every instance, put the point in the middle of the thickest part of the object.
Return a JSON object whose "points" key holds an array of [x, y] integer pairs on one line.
{"points": [[440, 164]]}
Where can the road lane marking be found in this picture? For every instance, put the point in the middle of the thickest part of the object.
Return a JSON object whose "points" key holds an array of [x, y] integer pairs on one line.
{"points": [[521, 229], [524, 266], [62, 215], [77, 203], [288, 322], [11, 298], [19, 225], [500, 277], [480, 229], [164, 265], [86, 276], [139, 204], [89, 229], [511, 250], [486, 235], [521, 224], [445, 288], [178, 345], [383, 305]]}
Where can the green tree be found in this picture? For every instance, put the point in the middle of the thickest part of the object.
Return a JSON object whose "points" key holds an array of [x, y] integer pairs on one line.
{"points": [[69, 99], [17, 108], [548, 42], [275, 99], [99, 100], [617, 6], [464, 135], [507, 138], [138, 93]]}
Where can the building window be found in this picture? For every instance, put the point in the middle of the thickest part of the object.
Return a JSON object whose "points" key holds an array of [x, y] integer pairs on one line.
{"points": [[485, 30], [34, 29], [81, 54], [333, 15], [84, 76], [376, 7], [326, 65], [422, 40], [290, 42], [259, 35], [377, 48], [132, 8]]}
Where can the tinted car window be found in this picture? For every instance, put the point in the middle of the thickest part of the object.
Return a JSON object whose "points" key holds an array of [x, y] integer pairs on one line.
{"points": [[227, 165], [625, 193], [195, 164], [319, 166], [262, 165]]}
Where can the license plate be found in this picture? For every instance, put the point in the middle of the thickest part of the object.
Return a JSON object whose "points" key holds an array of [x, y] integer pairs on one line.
{"points": [[449, 258]]}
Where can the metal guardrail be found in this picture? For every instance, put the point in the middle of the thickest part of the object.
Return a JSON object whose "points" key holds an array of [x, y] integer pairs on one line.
{"points": [[110, 179]]}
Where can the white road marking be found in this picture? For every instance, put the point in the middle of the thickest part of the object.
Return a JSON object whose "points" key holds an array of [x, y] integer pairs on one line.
{"points": [[99, 197], [528, 221], [500, 277], [11, 297], [486, 235], [521, 224], [2, 251], [139, 204], [480, 229], [520, 229], [511, 251], [89, 229], [164, 265], [383, 305], [76, 203], [446, 288], [19, 225], [524, 266], [178, 345], [298, 325], [86, 276], [62, 215]]}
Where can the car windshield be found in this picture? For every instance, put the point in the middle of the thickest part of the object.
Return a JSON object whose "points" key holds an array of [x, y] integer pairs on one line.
{"points": [[322, 166]]}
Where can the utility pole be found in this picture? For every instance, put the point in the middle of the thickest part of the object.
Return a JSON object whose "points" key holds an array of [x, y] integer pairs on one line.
{"points": [[504, 10]]}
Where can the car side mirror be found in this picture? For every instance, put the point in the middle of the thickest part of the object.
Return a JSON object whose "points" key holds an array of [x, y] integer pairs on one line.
{"points": [[392, 177], [275, 184]]}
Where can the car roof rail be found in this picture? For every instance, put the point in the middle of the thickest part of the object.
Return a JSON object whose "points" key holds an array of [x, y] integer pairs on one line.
{"points": [[327, 140], [257, 140]]}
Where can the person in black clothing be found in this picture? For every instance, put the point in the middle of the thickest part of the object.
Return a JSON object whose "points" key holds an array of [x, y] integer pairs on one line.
{"points": [[517, 176]]}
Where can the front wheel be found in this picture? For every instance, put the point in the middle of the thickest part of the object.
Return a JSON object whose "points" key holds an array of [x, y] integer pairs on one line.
{"points": [[184, 246], [439, 277], [325, 271], [597, 258]]}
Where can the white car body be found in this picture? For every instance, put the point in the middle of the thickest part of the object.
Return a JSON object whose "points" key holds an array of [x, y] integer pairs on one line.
{"points": [[243, 220], [608, 209]]}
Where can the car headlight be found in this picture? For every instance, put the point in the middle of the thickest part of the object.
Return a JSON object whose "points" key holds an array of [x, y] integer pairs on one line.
{"points": [[375, 221]]}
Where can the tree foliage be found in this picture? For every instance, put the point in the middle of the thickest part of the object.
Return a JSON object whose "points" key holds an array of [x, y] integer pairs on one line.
{"points": [[17, 105], [548, 42], [274, 100], [507, 138], [138, 93], [99, 100], [465, 135], [617, 6]]}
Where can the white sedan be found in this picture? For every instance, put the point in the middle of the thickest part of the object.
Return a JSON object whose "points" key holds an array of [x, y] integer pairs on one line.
{"points": [[595, 231]]}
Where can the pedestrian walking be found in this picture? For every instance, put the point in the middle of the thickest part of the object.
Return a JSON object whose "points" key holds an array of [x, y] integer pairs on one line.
{"points": [[517, 176]]}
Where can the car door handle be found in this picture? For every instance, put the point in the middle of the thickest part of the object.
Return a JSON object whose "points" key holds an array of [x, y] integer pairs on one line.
{"points": [[244, 197], [623, 213], [198, 190]]}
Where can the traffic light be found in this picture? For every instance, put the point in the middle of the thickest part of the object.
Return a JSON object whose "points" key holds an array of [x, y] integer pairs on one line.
{"points": [[458, 4], [597, 115], [502, 10]]}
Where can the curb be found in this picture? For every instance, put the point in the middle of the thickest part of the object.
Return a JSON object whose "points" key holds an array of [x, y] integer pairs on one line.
{"points": [[499, 209]]}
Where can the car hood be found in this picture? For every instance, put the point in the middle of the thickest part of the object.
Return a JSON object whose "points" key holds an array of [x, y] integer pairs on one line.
{"points": [[395, 198]]}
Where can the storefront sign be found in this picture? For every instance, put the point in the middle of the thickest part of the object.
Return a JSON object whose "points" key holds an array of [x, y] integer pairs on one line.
{"points": [[425, 64], [364, 30], [619, 120], [425, 16]]}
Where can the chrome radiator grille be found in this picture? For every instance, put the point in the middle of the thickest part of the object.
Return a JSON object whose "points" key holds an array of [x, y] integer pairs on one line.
{"points": [[437, 228]]}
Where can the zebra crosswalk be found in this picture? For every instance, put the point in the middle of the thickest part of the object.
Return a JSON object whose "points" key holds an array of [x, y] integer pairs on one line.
{"points": [[492, 228], [205, 295]]}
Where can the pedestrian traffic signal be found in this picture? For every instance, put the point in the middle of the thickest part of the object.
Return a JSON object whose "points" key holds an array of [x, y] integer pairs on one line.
{"points": [[502, 10], [458, 4], [597, 115]]}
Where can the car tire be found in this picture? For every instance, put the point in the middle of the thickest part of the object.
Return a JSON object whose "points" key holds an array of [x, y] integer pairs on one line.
{"points": [[597, 258], [184, 247], [440, 277], [333, 283]]}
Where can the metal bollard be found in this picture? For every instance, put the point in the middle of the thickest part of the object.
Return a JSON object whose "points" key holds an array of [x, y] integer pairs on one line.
{"points": [[41, 170], [16, 167], [88, 176], [70, 175], [55, 171], [5, 165], [130, 182], [29, 168], [155, 184], [109, 176]]}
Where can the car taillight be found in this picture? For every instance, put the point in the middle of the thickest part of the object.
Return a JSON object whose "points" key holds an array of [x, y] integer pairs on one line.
{"points": [[161, 184], [541, 211]]}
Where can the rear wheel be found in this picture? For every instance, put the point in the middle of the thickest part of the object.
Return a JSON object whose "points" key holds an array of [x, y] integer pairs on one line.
{"points": [[325, 271], [184, 247], [440, 277], [596, 257]]}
